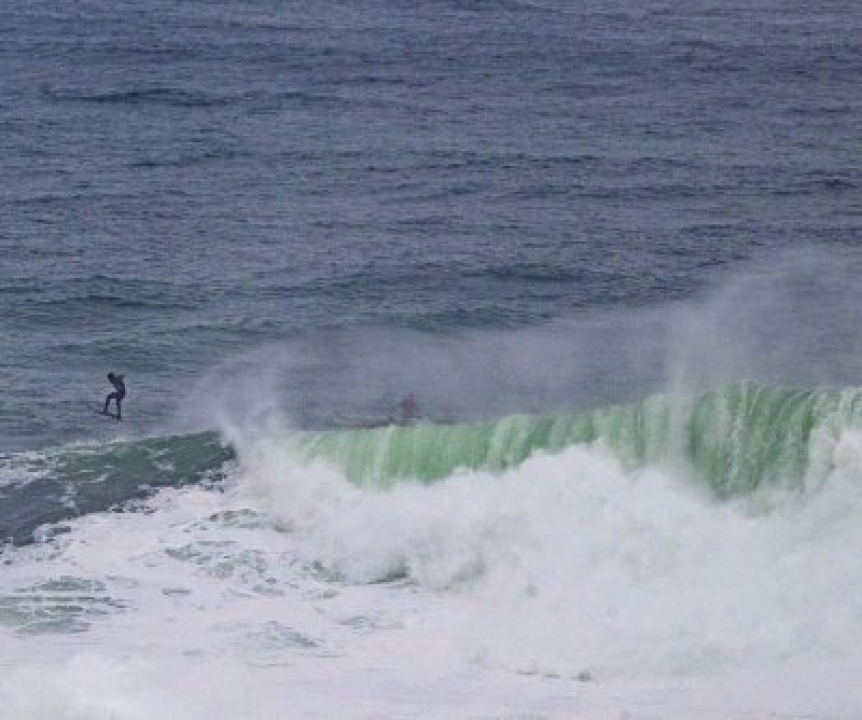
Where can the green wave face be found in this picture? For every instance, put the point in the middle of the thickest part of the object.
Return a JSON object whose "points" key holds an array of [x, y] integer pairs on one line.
{"points": [[734, 439], [61, 483]]}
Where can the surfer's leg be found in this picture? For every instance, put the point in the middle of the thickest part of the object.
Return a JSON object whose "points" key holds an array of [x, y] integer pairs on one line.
{"points": [[119, 411], [112, 396]]}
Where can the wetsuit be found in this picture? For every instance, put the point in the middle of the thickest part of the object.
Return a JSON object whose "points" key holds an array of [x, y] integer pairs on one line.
{"points": [[409, 410], [118, 394]]}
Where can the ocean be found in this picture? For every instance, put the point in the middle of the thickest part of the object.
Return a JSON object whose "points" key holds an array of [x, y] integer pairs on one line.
{"points": [[612, 248]]}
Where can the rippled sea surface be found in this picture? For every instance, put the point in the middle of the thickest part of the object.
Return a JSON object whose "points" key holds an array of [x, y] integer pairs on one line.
{"points": [[181, 182]]}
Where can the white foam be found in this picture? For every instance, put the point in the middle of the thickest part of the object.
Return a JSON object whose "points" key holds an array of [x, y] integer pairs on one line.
{"points": [[512, 589]]}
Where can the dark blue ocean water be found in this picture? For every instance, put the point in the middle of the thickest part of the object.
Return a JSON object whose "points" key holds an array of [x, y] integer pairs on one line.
{"points": [[375, 197]]}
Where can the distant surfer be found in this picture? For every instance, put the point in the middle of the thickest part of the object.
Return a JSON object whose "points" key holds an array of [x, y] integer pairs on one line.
{"points": [[409, 409], [118, 394]]}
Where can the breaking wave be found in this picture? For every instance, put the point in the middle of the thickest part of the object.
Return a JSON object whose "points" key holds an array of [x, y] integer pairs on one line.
{"points": [[734, 440]]}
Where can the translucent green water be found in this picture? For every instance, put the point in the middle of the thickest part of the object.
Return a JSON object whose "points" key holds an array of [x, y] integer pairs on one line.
{"points": [[735, 439]]}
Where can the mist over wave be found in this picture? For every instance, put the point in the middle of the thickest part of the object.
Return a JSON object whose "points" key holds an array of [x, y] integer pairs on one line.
{"points": [[783, 319]]}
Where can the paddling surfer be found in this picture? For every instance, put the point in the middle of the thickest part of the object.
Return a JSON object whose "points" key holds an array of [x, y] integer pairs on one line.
{"points": [[118, 394], [409, 410]]}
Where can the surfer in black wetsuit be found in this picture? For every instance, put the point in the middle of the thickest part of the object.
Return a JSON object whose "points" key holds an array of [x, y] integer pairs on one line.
{"points": [[409, 410], [118, 394]]}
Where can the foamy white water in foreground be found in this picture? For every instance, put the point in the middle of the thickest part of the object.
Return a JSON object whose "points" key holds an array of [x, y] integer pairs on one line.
{"points": [[565, 588]]}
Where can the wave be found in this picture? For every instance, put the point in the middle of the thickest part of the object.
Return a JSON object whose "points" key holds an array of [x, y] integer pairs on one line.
{"points": [[158, 95], [185, 98], [734, 440], [42, 488]]}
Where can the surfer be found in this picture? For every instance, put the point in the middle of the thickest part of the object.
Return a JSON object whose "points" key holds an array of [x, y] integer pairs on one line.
{"points": [[118, 394], [409, 409]]}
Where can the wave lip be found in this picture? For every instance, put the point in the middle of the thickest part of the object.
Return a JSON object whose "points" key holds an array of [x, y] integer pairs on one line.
{"points": [[734, 439]]}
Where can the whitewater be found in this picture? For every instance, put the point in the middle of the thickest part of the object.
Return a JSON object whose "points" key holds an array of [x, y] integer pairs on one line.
{"points": [[661, 559]]}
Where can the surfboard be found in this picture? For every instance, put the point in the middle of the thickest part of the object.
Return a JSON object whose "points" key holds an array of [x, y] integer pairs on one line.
{"points": [[99, 409], [356, 423]]}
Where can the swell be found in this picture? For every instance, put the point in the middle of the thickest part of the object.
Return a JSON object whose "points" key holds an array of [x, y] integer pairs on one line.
{"points": [[151, 95], [41, 489]]}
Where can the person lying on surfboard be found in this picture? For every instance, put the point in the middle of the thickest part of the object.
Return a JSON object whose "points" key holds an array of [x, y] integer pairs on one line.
{"points": [[118, 394], [409, 410]]}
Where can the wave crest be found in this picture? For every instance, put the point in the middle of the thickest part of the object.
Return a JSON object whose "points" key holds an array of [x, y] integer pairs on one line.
{"points": [[735, 439]]}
